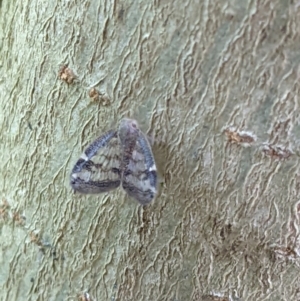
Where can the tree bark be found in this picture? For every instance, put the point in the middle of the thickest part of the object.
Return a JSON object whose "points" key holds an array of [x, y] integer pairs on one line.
{"points": [[216, 85]]}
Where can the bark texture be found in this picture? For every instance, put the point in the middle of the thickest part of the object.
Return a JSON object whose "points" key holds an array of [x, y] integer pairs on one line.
{"points": [[216, 85]]}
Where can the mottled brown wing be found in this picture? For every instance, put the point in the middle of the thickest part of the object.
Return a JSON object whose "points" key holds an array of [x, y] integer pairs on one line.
{"points": [[98, 169], [139, 177]]}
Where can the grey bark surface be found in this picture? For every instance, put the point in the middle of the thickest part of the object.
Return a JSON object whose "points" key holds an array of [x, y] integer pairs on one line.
{"points": [[215, 84]]}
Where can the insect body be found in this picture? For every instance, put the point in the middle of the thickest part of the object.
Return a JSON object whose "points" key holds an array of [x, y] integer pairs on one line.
{"points": [[121, 156]]}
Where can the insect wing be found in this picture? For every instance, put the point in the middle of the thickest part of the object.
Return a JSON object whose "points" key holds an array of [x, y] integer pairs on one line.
{"points": [[98, 169], [139, 178]]}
